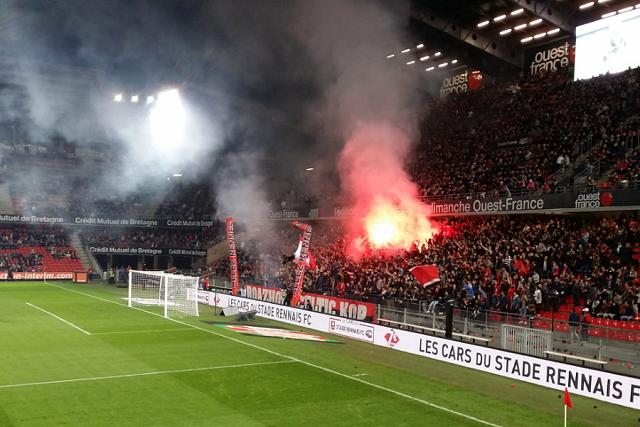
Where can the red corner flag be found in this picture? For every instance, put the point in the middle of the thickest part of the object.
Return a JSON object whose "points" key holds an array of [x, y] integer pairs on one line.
{"points": [[567, 399], [426, 274]]}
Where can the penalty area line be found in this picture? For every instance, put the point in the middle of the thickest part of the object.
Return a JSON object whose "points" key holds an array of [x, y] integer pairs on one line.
{"points": [[144, 374], [303, 362], [143, 331], [59, 318]]}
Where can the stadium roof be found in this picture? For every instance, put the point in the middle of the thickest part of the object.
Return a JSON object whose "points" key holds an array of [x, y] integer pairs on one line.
{"points": [[492, 35]]}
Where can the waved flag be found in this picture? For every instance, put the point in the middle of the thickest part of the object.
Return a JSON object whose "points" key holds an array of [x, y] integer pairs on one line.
{"points": [[426, 275]]}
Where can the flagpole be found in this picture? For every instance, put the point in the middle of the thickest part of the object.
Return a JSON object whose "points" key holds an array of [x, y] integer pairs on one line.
{"points": [[565, 415]]}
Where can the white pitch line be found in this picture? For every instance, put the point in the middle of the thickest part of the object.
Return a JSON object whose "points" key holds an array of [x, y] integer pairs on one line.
{"points": [[142, 331], [59, 318], [144, 374], [313, 365], [359, 375]]}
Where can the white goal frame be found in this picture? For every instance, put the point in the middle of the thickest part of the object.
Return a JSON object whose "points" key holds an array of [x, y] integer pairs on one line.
{"points": [[176, 294]]}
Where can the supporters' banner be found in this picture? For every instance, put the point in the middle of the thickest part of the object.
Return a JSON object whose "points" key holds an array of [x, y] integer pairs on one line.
{"points": [[117, 250], [343, 307], [36, 275], [605, 386], [550, 57], [233, 256], [301, 266]]}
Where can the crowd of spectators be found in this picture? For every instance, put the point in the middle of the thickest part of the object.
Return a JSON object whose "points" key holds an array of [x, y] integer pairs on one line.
{"points": [[512, 137], [519, 264], [45, 236]]}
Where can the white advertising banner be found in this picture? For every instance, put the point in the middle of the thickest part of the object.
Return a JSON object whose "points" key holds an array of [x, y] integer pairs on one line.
{"points": [[604, 386]]}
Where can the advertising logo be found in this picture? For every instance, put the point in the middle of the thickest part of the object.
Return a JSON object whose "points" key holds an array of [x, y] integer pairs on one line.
{"points": [[391, 338]]}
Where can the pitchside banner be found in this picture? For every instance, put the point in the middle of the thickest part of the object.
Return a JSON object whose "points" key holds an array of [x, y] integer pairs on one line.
{"points": [[342, 307], [36, 275], [604, 386]]}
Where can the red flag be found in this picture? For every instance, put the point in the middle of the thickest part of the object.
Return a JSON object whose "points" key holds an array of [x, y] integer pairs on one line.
{"points": [[426, 274], [567, 399]]}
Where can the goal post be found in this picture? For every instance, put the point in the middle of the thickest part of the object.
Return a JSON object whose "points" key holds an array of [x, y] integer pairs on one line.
{"points": [[175, 294]]}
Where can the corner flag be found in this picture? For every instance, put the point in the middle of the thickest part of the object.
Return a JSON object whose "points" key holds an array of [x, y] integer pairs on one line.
{"points": [[567, 404]]}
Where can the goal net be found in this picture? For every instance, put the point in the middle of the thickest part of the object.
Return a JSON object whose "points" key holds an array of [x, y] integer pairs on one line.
{"points": [[177, 295]]}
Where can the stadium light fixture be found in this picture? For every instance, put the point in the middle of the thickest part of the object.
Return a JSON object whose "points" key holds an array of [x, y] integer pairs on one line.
{"points": [[150, 99], [391, 55], [517, 12], [117, 97], [526, 39], [420, 46], [430, 68], [499, 18], [505, 32], [609, 15], [176, 174], [586, 5], [554, 31], [406, 50], [309, 169], [625, 9], [603, 1], [411, 62], [444, 64], [438, 53], [540, 35], [135, 99], [455, 61], [424, 58], [483, 24], [520, 27], [535, 22], [638, 6]]}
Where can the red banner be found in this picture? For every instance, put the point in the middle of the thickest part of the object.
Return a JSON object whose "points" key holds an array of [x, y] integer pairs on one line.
{"points": [[36, 275], [233, 258], [357, 310]]}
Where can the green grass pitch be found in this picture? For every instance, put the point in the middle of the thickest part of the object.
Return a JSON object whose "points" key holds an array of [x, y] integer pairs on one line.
{"points": [[75, 355]]}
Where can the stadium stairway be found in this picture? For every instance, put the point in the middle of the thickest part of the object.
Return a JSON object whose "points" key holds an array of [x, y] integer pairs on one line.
{"points": [[85, 256], [6, 203]]}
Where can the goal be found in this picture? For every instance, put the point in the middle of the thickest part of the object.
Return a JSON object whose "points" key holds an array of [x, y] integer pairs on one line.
{"points": [[177, 295]]}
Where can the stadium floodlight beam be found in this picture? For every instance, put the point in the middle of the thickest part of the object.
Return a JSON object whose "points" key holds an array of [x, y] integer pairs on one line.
{"points": [[167, 120], [117, 97]]}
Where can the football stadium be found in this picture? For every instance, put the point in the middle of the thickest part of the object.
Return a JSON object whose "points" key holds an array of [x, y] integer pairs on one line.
{"points": [[338, 212]]}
